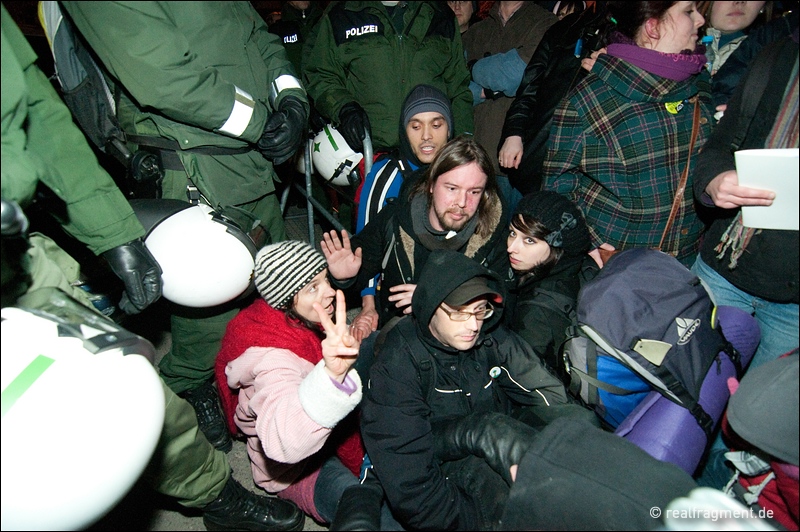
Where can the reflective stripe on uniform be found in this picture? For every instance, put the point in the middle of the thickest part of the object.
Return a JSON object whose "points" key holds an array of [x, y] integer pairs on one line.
{"points": [[241, 114], [281, 83]]}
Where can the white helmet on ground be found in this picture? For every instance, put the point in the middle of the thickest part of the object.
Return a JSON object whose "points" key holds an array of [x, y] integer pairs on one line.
{"points": [[333, 158], [206, 259]]}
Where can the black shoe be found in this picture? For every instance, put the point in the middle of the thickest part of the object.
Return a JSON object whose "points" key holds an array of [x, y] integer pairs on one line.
{"points": [[236, 508], [205, 402]]}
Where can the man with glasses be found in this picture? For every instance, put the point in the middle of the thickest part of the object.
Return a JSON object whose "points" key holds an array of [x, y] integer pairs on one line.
{"points": [[436, 417]]}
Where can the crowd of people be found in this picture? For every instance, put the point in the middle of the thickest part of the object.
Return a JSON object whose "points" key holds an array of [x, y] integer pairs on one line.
{"points": [[518, 147]]}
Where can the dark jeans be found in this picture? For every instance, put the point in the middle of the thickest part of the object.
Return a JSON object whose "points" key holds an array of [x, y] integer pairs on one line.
{"points": [[333, 479]]}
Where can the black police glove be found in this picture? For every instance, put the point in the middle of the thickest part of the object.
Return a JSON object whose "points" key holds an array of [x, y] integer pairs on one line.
{"points": [[137, 268], [500, 440], [284, 131], [353, 124]]}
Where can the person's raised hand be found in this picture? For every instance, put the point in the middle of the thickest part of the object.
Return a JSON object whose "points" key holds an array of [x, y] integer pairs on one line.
{"points": [[343, 263], [339, 348]]}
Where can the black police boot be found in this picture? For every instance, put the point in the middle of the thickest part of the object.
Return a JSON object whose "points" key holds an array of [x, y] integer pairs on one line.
{"points": [[236, 508], [205, 402]]}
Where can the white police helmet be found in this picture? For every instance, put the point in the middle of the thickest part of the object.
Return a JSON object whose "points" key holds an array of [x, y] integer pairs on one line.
{"points": [[333, 158], [83, 410], [206, 258]]}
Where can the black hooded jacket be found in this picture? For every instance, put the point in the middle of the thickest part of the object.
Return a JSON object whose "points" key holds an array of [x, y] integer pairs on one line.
{"points": [[398, 415]]}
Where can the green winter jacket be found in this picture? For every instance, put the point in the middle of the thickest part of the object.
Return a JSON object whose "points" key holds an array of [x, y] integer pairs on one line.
{"points": [[358, 55], [198, 73], [42, 144]]}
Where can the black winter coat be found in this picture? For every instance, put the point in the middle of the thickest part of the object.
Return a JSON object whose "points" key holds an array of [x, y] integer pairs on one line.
{"points": [[769, 266], [398, 415], [551, 73]]}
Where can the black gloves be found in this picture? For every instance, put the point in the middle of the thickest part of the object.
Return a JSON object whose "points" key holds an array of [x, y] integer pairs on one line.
{"points": [[353, 123], [284, 131], [499, 439], [138, 269]]}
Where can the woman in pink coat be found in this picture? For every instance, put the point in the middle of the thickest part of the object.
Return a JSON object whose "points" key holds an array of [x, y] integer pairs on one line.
{"points": [[287, 382]]}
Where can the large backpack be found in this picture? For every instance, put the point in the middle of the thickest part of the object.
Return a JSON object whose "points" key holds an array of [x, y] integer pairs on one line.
{"points": [[645, 322]]}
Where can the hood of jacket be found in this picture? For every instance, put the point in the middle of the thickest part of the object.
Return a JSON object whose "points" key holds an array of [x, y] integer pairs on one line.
{"points": [[638, 85], [444, 271]]}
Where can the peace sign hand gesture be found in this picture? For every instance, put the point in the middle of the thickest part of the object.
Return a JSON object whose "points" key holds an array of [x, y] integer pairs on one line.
{"points": [[339, 348]]}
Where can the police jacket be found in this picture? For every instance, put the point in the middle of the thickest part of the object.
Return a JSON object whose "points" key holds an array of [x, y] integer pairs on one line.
{"points": [[41, 143], [294, 29], [398, 415], [360, 55], [199, 74], [391, 245]]}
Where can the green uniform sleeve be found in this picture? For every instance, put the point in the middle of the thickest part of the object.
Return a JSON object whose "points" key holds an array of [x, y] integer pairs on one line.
{"points": [[140, 46], [457, 78], [40, 142]]}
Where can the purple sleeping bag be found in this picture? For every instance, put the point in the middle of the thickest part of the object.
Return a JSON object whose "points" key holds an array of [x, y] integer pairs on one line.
{"points": [[668, 431]]}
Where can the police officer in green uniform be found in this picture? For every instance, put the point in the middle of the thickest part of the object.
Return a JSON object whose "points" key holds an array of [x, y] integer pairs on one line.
{"points": [[209, 88], [367, 56], [40, 143]]}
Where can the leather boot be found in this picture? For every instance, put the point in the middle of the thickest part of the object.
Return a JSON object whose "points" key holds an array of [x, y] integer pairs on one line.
{"points": [[236, 508], [205, 402]]}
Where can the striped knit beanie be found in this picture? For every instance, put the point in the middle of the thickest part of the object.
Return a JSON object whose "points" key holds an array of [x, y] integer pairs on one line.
{"points": [[283, 269]]}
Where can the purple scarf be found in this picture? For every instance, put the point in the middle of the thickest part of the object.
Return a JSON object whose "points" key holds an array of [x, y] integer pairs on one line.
{"points": [[677, 67]]}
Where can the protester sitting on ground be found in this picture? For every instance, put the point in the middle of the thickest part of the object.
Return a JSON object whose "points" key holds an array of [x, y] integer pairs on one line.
{"points": [[619, 142], [287, 381], [455, 205], [548, 245], [426, 124], [435, 418]]}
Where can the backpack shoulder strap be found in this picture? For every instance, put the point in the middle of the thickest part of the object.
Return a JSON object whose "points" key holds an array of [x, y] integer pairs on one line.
{"points": [[420, 356]]}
